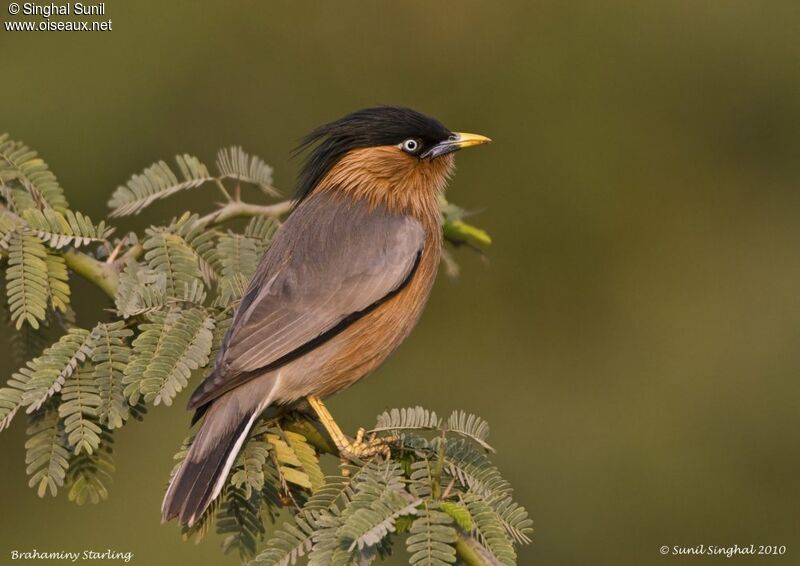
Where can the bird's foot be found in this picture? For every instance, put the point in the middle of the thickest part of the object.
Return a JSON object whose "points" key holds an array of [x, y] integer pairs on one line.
{"points": [[362, 448]]}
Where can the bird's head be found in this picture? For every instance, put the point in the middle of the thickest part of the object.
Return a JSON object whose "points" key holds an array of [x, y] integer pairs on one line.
{"points": [[385, 153]]}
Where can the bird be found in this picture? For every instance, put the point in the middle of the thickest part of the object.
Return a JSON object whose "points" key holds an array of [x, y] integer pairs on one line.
{"points": [[342, 284]]}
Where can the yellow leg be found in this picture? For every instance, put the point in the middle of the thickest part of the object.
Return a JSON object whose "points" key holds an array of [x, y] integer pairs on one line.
{"points": [[357, 449]]}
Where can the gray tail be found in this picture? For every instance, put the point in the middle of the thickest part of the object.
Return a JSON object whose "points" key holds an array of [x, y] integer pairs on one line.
{"points": [[202, 474]]}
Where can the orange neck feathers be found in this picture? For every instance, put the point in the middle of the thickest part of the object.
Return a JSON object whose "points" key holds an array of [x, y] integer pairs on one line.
{"points": [[387, 176]]}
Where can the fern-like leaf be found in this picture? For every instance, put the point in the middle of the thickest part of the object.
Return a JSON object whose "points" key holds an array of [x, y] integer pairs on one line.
{"points": [[470, 426], [203, 242], [58, 229], [157, 182], [57, 281], [247, 472], [459, 513], [47, 456], [90, 474], [489, 530], [140, 290], [431, 538], [21, 165], [32, 385], [167, 253], [234, 163], [80, 402], [165, 353], [292, 457], [239, 519], [10, 403], [238, 255], [27, 285], [295, 539], [231, 289], [411, 418], [9, 223], [474, 470], [44, 376], [307, 456], [261, 229], [289, 544], [355, 535], [110, 357], [514, 519]]}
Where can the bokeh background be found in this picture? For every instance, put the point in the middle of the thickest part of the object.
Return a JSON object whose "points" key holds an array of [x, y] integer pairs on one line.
{"points": [[633, 336]]}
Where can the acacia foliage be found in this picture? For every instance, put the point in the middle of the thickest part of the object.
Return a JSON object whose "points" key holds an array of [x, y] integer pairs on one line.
{"points": [[173, 290], [436, 490]]}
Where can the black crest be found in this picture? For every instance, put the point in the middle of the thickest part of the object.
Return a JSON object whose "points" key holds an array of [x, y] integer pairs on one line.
{"points": [[380, 125]]}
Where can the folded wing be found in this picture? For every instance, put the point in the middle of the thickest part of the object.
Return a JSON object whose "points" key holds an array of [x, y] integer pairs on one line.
{"points": [[331, 261]]}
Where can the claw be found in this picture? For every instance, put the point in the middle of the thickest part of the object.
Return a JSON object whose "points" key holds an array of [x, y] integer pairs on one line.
{"points": [[359, 449]]}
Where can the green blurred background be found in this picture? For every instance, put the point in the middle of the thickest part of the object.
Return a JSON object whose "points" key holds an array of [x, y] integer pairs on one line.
{"points": [[633, 337]]}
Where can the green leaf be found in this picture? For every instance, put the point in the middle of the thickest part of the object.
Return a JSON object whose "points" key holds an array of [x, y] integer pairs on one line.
{"points": [[90, 474], [431, 538], [46, 455], [80, 402], [379, 498], [459, 513], [57, 281], [411, 418], [157, 182], [202, 241], [58, 229], [262, 230], [289, 463], [470, 426], [474, 470], [234, 163], [239, 518], [307, 456], [248, 470], [514, 519], [169, 347], [141, 290], [45, 376], [27, 283], [10, 402], [238, 255], [22, 166], [9, 223], [168, 254], [489, 530], [110, 357]]}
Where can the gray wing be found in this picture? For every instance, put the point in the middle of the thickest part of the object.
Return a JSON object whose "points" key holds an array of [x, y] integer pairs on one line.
{"points": [[330, 261]]}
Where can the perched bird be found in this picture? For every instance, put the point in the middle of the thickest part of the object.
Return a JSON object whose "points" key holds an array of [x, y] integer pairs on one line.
{"points": [[340, 287]]}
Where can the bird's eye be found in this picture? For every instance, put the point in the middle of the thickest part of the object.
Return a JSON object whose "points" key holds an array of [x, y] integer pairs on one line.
{"points": [[411, 145]]}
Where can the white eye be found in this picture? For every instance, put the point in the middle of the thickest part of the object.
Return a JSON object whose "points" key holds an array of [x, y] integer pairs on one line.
{"points": [[411, 145]]}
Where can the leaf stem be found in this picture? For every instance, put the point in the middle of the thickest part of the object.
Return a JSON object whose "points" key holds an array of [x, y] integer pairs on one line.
{"points": [[223, 190]]}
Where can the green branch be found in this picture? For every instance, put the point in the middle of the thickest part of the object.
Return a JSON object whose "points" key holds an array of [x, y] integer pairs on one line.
{"points": [[102, 274], [238, 209]]}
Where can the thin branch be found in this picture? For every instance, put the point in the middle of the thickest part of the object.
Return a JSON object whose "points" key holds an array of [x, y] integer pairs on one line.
{"points": [[102, 274], [239, 209]]}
